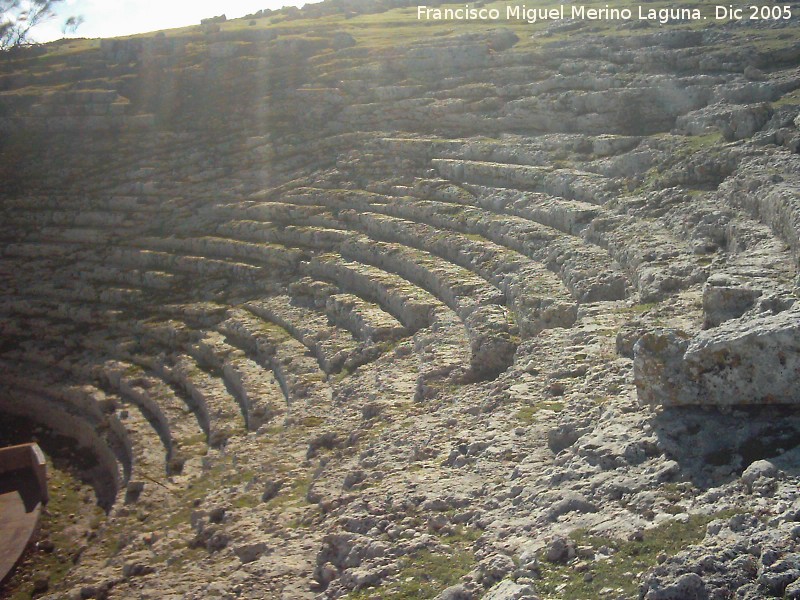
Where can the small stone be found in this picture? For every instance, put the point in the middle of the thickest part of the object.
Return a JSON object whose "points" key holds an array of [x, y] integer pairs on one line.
{"points": [[353, 478], [41, 583], [217, 542], [636, 536], [497, 566], [792, 591], [133, 491], [271, 490], [136, 570], [455, 592], [509, 590], [559, 550], [754, 74], [687, 587], [757, 470], [248, 553], [216, 515]]}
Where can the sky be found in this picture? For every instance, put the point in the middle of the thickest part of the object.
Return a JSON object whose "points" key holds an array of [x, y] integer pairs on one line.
{"points": [[124, 17]]}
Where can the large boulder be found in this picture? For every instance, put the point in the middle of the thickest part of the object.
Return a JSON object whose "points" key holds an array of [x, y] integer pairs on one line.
{"points": [[755, 361]]}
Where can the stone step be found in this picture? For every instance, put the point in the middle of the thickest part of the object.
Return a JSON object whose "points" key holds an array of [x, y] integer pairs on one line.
{"points": [[364, 319], [753, 189], [212, 400], [409, 304], [150, 465], [511, 149], [257, 390], [316, 237], [40, 250], [458, 287], [566, 183], [57, 208], [641, 248], [274, 348], [588, 271], [108, 475], [130, 379], [185, 264], [56, 312], [122, 400], [535, 294], [273, 256], [152, 459], [658, 264], [333, 346], [444, 353], [86, 294], [480, 307], [76, 415], [170, 414], [152, 280]]}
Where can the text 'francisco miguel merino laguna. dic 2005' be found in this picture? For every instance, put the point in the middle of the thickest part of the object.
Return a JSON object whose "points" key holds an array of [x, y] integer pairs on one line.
{"points": [[520, 12]]}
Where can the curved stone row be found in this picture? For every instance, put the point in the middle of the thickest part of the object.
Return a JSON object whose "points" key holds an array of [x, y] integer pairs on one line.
{"points": [[610, 228], [440, 337], [457, 286], [75, 412], [588, 273], [256, 391], [299, 376], [365, 320]]}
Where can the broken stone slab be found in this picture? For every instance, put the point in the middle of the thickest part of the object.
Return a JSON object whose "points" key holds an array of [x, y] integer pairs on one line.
{"points": [[248, 553], [743, 361], [509, 590], [736, 122], [725, 299]]}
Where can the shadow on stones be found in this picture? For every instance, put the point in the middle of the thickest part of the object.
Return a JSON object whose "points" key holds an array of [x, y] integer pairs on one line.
{"points": [[65, 453], [713, 446]]}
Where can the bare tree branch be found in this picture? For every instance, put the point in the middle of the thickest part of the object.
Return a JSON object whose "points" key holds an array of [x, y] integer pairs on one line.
{"points": [[19, 17]]}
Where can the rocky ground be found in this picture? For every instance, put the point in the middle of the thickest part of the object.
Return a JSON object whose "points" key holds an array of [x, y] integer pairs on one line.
{"points": [[332, 304]]}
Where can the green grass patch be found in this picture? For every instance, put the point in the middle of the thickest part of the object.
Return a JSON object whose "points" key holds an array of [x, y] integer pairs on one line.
{"points": [[694, 143], [425, 574], [639, 309], [67, 506], [527, 414], [789, 99], [563, 582]]}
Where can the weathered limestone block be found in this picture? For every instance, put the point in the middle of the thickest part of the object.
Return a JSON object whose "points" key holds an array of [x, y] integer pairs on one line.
{"points": [[429, 61], [332, 345], [492, 340], [734, 121], [658, 264], [363, 319], [753, 361], [409, 304], [723, 300], [443, 352], [209, 396], [566, 183], [773, 199], [260, 398], [298, 375]]}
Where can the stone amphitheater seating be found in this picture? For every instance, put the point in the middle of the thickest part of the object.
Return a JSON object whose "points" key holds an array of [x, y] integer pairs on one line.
{"points": [[222, 273]]}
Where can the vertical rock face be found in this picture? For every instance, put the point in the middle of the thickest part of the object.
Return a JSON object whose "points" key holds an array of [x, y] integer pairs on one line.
{"points": [[753, 361], [724, 300]]}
